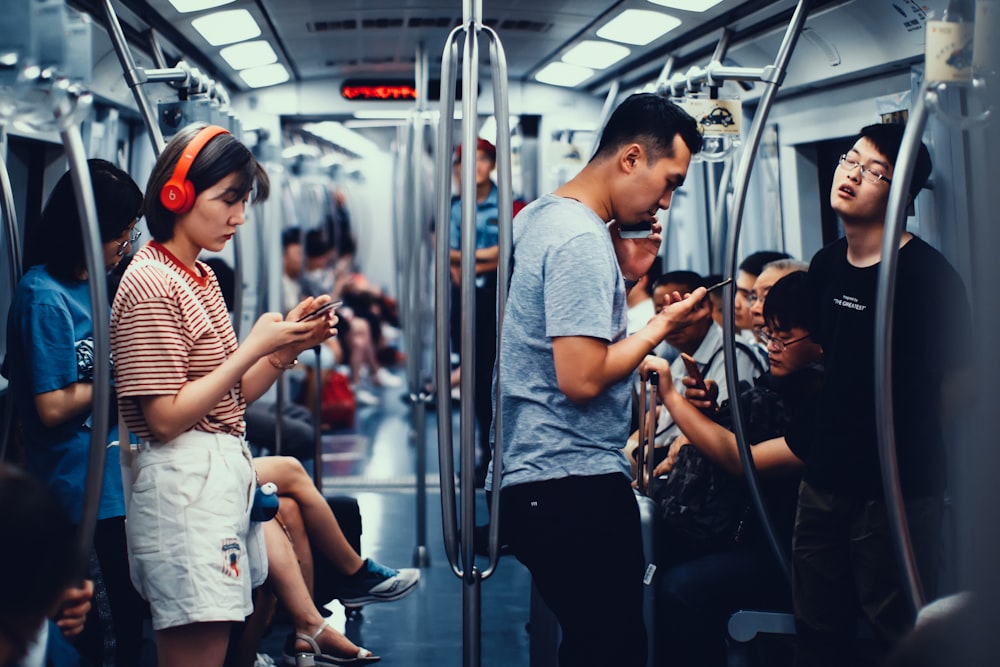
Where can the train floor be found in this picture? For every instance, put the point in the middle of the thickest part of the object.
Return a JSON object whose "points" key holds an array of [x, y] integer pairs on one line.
{"points": [[375, 463]]}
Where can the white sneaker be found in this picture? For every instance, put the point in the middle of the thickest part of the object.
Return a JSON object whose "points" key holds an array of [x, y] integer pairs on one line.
{"points": [[365, 397], [387, 378]]}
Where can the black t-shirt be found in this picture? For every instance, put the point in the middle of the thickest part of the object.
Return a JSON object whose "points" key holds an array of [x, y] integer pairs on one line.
{"points": [[931, 337]]}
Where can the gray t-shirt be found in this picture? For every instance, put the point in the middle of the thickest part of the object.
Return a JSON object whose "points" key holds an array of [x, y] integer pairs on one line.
{"points": [[566, 282]]}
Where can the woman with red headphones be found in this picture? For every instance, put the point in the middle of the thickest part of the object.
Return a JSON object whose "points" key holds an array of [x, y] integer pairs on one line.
{"points": [[183, 384]]}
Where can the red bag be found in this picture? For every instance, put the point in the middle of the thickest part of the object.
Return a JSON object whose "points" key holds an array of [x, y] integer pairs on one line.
{"points": [[337, 402]]}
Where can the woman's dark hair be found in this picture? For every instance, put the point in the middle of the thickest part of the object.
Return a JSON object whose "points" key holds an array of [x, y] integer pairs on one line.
{"points": [[223, 155], [651, 121], [791, 303], [57, 241]]}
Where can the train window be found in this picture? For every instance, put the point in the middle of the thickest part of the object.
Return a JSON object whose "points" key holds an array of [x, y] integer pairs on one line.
{"points": [[827, 154]]}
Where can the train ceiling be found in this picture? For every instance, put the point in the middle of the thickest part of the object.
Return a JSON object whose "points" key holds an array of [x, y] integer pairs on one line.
{"points": [[317, 40]]}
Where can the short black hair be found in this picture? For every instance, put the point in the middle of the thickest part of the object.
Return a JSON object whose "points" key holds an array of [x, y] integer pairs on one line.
{"points": [[40, 559], [755, 262], [689, 279], [887, 138], [652, 121], [316, 243], [790, 303], [291, 236], [57, 241]]}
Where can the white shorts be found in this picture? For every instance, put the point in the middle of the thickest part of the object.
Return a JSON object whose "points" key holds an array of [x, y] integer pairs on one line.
{"points": [[188, 528]]}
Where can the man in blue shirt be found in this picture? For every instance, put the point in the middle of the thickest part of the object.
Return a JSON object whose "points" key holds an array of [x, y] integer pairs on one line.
{"points": [[487, 259]]}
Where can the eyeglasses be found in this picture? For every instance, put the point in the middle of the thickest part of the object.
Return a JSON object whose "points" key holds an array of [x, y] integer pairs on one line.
{"points": [[779, 345], [870, 174], [123, 246], [753, 297]]}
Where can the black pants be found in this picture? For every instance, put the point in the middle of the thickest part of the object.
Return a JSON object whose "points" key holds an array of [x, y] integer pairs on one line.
{"points": [[485, 355], [113, 631], [580, 538], [844, 563]]}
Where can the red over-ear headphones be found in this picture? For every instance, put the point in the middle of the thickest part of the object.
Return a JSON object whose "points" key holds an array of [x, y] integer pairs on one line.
{"points": [[177, 194]]}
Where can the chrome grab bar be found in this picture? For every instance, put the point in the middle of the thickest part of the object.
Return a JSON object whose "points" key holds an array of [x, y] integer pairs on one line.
{"points": [[14, 266], [895, 225], [461, 557], [742, 182], [70, 105]]}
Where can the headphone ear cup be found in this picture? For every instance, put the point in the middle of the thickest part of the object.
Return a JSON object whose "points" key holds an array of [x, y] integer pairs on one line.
{"points": [[177, 196]]}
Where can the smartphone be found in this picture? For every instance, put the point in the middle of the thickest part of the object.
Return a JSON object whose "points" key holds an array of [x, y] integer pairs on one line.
{"points": [[692, 370], [719, 284], [639, 230], [320, 311]]}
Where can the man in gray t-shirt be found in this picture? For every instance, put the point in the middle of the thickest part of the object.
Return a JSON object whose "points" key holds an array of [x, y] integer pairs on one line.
{"points": [[569, 511]]}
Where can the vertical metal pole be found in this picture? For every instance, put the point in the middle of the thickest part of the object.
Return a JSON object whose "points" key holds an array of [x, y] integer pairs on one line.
{"points": [[318, 420], [729, 338], [417, 278], [472, 619], [895, 224]]}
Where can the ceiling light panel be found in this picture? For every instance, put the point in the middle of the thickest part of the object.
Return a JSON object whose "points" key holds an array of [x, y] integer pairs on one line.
{"points": [[185, 6], [268, 75], [595, 54], [564, 74], [227, 27], [687, 5], [249, 54], [638, 26]]}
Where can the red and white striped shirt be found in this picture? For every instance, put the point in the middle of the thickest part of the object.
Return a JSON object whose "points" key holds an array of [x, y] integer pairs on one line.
{"points": [[164, 335]]}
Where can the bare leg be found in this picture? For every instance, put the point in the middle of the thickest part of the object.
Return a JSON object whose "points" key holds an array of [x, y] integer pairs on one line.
{"points": [[195, 645], [290, 518], [321, 524], [285, 578]]}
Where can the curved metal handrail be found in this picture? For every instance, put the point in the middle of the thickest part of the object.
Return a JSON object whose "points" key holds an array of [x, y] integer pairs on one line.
{"points": [[70, 104], [505, 217], [895, 224], [466, 569], [729, 325], [14, 268], [442, 297]]}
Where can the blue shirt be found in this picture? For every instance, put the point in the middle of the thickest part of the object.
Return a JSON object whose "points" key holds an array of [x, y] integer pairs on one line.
{"points": [[487, 224], [47, 318], [566, 282]]}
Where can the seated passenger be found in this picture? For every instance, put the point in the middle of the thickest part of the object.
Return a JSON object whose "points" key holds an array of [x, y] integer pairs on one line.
{"points": [[38, 567], [702, 340], [748, 271], [706, 577]]}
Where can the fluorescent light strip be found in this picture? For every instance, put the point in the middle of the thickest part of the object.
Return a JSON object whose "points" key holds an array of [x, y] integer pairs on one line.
{"points": [[564, 74], [268, 75], [595, 54], [638, 26], [185, 6], [249, 54], [687, 5], [228, 27]]}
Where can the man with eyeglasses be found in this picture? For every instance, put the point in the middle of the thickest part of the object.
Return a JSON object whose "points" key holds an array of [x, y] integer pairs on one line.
{"points": [[843, 556]]}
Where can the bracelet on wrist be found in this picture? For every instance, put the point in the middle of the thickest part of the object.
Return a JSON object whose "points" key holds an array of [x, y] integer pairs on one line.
{"points": [[277, 363]]}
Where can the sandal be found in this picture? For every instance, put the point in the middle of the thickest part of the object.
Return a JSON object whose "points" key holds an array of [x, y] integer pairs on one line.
{"points": [[315, 656]]}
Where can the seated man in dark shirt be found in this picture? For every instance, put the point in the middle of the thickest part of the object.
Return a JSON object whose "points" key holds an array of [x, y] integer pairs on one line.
{"points": [[716, 558]]}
